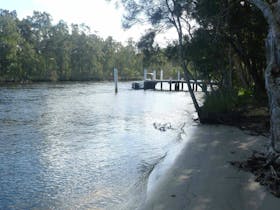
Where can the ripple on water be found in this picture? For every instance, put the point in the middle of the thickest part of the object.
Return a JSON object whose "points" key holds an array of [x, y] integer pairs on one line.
{"points": [[78, 145]]}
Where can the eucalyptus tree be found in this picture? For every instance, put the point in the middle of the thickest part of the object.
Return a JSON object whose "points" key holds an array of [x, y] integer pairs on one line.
{"points": [[36, 30], [128, 61], [60, 45], [146, 46], [155, 57], [271, 12], [9, 41], [33, 49], [109, 47], [207, 53], [242, 29], [27, 63], [163, 15]]}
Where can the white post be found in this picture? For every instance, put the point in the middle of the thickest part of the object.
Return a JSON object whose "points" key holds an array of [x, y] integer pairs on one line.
{"points": [[145, 74], [161, 75], [116, 79], [179, 76], [154, 75]]}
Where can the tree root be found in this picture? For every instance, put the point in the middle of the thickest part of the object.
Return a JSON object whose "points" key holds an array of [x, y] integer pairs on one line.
{"points": [[266, 169]]}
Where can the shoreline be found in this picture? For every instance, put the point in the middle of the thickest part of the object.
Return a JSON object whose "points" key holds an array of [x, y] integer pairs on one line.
{"points": [[201, 178], [169, 159]]}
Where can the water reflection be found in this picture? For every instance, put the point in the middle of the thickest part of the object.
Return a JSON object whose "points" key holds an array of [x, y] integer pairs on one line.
{"points": [[78, 145]]}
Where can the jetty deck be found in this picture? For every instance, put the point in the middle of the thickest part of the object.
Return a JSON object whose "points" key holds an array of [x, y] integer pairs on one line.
{"points": [[174, 85]]}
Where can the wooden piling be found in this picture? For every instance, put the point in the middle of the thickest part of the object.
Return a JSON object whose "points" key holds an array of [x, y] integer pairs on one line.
{"points": [[176, 86], [145, 74], [154, 75], [116, 79]]}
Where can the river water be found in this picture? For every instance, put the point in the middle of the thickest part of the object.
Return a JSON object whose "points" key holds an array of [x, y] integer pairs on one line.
{"points": [[81, 146]]}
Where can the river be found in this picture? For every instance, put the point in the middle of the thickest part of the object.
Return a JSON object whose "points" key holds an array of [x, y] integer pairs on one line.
{"points": [[81, 146]]}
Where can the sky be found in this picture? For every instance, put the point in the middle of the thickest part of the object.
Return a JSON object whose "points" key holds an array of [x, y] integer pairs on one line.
{"points": [[102, 17]]}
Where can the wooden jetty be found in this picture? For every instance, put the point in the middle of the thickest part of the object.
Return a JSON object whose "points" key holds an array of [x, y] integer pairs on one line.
{"points": [[174, 85]]}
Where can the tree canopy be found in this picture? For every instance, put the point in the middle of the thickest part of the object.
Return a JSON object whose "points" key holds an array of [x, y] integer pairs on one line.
{"points": [[35, 49]]}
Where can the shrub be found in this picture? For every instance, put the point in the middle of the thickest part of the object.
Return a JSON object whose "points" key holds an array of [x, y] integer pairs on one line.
{"points": [[220, 101]]}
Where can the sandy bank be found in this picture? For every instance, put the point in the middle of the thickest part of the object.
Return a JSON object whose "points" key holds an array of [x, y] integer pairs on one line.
{"points": [[202, 179]]}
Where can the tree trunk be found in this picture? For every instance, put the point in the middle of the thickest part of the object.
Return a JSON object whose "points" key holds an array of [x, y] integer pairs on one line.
{"points": [[176, 21], [187, 73], [191, 91], [272, 82], [241, 72], [271, 13], [230, 69], [259, 84]]}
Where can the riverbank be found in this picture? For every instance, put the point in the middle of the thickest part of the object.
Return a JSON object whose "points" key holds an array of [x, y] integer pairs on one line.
{"points": [[202, 178]]}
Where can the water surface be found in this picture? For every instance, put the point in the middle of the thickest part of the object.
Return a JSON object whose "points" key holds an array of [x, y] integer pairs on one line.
{"points": [[80, 146]]}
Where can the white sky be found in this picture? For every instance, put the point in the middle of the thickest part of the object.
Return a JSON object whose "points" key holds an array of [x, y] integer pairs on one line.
{"points": [[102, 17]]}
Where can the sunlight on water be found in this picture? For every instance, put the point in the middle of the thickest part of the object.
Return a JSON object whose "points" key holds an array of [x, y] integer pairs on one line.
{"points": [[80, 146]]}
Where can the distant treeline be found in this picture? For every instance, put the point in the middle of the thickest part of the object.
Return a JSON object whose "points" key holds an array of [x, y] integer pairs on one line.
{"points": [[34, 49]]}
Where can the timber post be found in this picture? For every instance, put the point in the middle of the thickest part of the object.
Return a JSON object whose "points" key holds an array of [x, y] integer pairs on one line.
{"points": [[145, 74], [116, 79], [154, 75]]}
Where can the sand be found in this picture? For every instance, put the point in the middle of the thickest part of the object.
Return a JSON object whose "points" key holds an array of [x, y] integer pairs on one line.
{"points": [[202, 179]]}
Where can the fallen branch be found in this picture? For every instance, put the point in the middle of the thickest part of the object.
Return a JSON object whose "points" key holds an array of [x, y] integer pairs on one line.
{"points": [[266, 169]]}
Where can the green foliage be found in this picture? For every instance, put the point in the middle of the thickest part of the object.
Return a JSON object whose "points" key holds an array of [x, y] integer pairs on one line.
{"points": [[228, 101], [146, 45], [242, 92], [34, 49], [206, 52], [235, 30], [220, 101], [226, 46], [9, 44], [247, 96]]}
